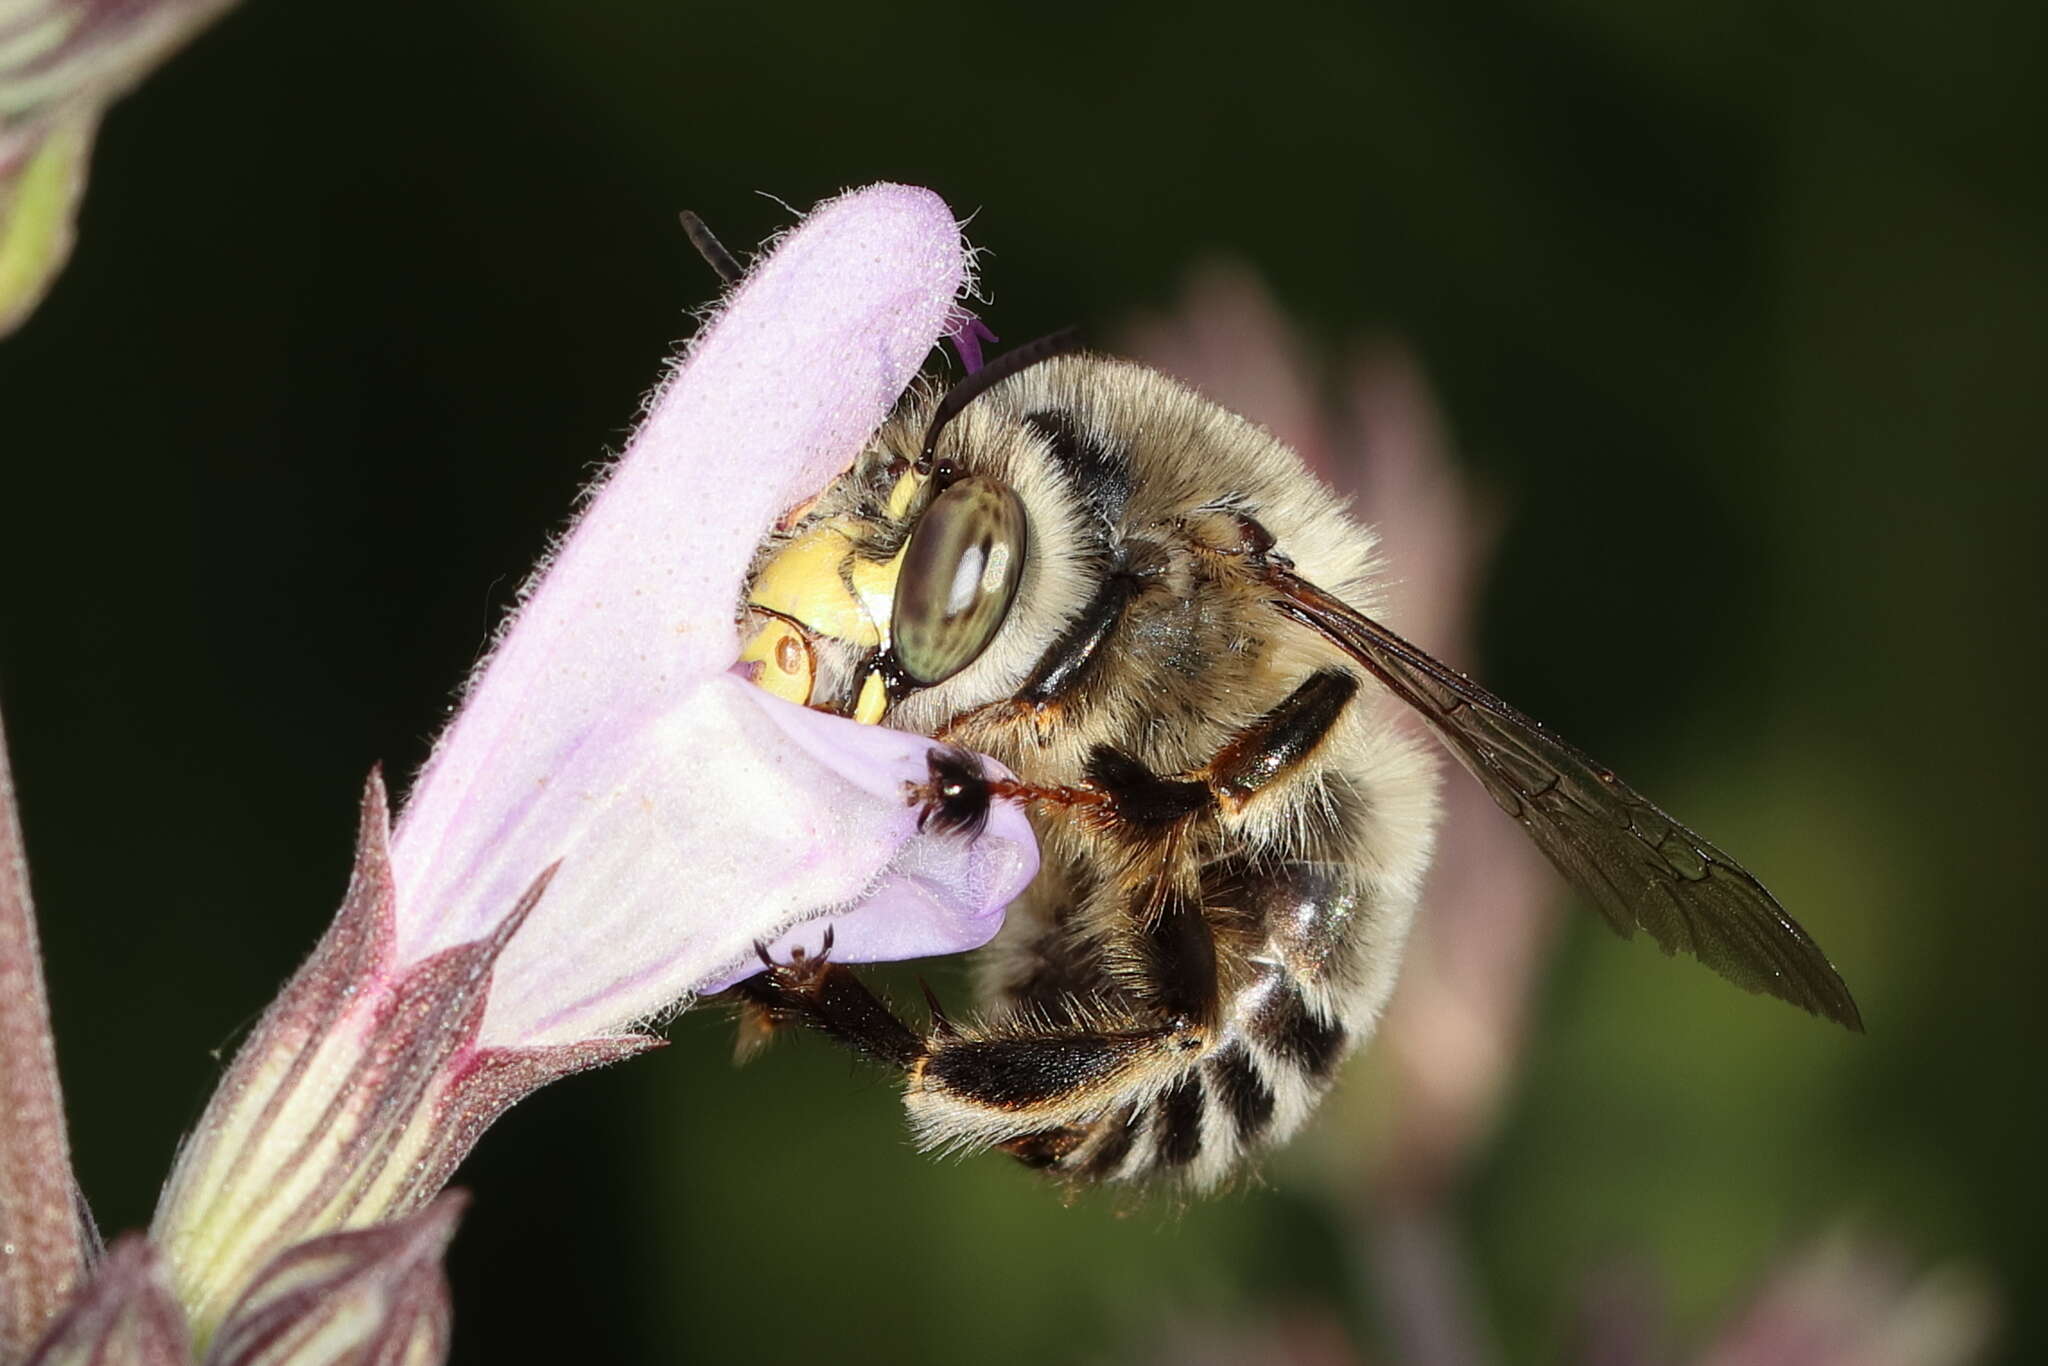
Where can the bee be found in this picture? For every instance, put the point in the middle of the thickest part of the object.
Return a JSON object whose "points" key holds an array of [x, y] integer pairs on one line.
{"points": [[1151, 612]]}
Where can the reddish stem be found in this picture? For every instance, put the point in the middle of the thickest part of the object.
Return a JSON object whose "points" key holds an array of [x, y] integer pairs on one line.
{"points": [[38, 1211]]}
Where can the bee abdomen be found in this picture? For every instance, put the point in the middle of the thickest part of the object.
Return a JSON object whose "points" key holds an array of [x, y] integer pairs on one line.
{"points": [[1191, 1115], [1197, 1130], [1177, 1116], [1200, 1127], [1277, 1056], [1240, 1087], [1278, 1015], [1207, 1031]]}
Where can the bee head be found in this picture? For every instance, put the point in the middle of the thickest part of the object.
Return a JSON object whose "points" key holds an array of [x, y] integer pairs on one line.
{"points": [[873, 600]]}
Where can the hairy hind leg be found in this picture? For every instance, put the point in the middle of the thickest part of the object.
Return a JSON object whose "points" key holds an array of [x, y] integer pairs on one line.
{"points": [[1027, 1073]]}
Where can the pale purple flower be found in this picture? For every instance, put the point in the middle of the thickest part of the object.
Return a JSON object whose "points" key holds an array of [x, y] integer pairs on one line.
{"points": [[614, 822], [1455, 1026], [605, 732]]}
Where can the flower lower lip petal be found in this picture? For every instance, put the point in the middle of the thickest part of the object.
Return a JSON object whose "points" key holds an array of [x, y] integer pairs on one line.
{"points": [[742, 816], [940, 894]]}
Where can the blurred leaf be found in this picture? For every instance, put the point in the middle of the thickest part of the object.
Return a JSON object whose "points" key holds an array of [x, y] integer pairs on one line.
{"points": [[62, 62], [37, 202]]}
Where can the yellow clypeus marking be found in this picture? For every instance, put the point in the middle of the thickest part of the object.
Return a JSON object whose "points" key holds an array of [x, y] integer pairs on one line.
{"points": [[803, 583], [788, 669]]}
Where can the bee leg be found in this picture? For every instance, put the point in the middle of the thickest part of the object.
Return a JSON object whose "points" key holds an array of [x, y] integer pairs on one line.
{"points": [[1069, 1085], [1122, 793], [831, 998], [1151, 806], [1052, 1093], [955, 799], [761, 1011], [1275, 743], [1069, 657], [1027, 1089]]}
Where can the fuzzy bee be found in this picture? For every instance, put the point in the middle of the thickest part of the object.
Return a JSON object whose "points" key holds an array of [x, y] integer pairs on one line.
{"points": [[1151, 612]]}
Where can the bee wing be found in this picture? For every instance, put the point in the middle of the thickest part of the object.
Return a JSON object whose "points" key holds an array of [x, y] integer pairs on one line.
{"points": [[1641, 867]]}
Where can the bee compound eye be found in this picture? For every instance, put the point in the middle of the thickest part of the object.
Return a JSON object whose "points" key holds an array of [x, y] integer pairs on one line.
{"points": [[960, 574]]}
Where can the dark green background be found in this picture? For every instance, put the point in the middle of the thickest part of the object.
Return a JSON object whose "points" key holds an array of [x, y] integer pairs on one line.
{"points": [[1741, 307]]}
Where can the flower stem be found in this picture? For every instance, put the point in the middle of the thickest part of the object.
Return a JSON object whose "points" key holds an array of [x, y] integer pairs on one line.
{"points": [[42, 1251]]}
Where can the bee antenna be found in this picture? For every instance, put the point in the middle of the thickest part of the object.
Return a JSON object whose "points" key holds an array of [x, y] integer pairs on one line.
{"points": [[710, 248], [989, 376]]}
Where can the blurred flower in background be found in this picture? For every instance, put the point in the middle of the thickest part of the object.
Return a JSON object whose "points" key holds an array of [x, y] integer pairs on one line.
{"points": [[1848, 1300], [62, 62], [613, 822], [1445, 1055], [1840, 1301]]}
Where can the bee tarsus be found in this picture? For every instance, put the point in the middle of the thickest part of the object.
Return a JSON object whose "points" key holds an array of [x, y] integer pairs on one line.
{"points": [[829, 997], [955, 798]]}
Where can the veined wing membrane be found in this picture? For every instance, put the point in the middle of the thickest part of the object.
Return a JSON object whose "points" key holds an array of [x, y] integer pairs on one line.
{"points": [[1641, 867]]}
